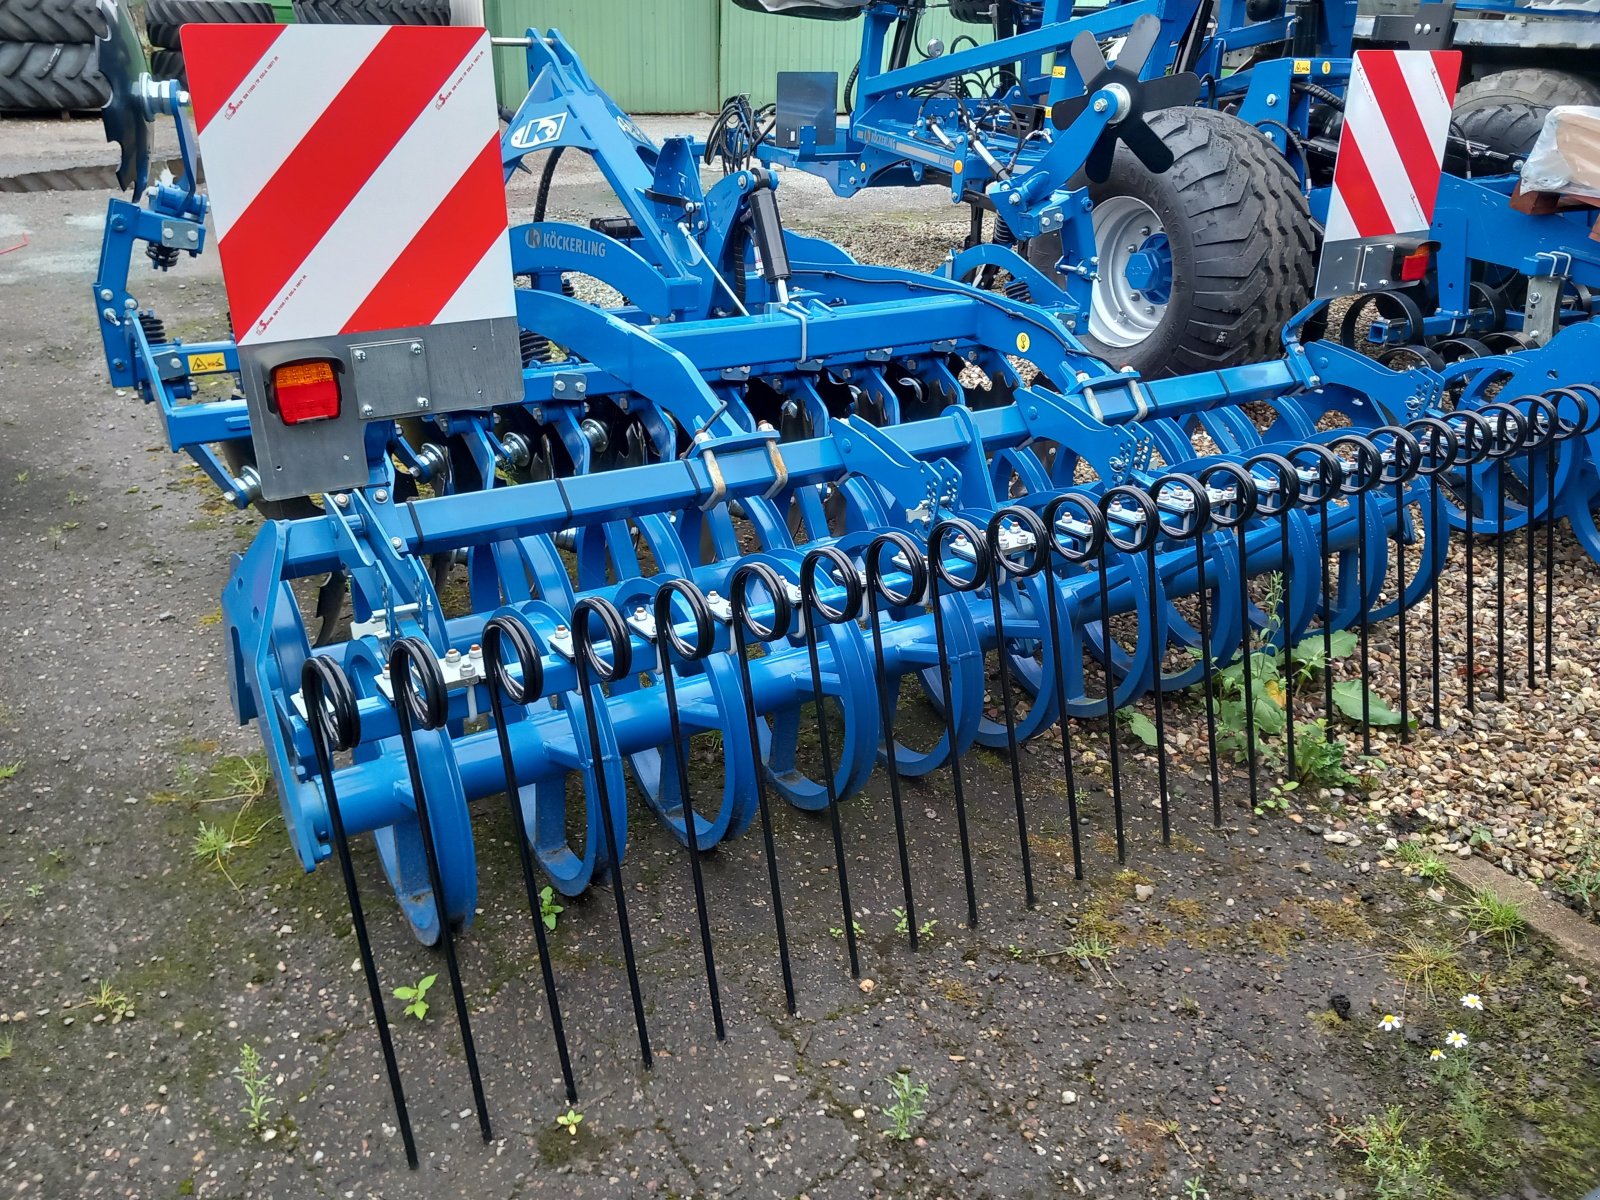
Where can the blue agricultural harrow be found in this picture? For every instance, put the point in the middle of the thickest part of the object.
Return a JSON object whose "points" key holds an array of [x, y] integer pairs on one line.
{"points": [[782, 497]]}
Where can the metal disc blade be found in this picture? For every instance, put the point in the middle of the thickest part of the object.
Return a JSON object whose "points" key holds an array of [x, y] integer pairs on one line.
{"points": [[1098, 166], [1146, 144], [122, 62], [1170, 91], [1137, 45], [1086, 57]]}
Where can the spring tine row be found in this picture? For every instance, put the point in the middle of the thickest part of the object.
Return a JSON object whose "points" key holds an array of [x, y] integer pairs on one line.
{"points": [[1077, 540], [498, 633], [336, 726]]}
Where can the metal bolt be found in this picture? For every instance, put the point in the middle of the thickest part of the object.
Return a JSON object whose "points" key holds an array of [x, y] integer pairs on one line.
{"points": [[416, 347], [397, 543], [640, 613], [361, 356], [381, 495], [422, 402], [194, 236], [1272, 99], [105, 293], [560, 630], [561, 385], [342, 500], [175, 363], [1016, 198], [366, 410], [1101, 105]]}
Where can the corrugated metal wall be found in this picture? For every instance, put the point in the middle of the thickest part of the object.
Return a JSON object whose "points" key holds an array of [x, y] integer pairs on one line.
{"points": [[659, 56], [685, 55]]}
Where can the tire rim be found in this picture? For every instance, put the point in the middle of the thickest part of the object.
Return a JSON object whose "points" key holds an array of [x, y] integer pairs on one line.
{"points": [[1135, 276]]}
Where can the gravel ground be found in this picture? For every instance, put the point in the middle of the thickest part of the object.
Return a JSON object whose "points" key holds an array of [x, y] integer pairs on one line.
{"points": [[1204, 1022]]}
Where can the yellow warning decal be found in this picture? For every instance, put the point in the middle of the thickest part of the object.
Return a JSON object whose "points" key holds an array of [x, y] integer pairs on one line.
{"points": [[1302, 66], [1327, 67], [1023, 342], [1058, 72], [207, 364]]}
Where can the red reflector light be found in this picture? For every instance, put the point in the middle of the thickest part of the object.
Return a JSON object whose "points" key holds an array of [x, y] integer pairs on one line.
{"points": [[1414, 266], [306, 391]]}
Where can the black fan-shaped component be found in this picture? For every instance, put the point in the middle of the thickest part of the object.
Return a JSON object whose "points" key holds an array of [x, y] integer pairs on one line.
{"points": [[1132, 97], [126, 117]]}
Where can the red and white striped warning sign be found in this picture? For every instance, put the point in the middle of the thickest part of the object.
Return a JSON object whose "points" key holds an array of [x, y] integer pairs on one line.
{"points": [[354, 174], [1396, 120]]}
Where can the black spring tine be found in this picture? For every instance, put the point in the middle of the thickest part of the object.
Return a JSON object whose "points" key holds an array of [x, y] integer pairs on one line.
{"points": [[909, 556], [1539, 434], [420, 699], [1001, 567], [1366, 475], [1077, 550], [1509, 431], [814, 611], [1327, 605], [1436, 453], [743, 627], [1328, 484], [1207, 664], [593, 674], [1111, 699], [1236, 515], [335, 726], [1284, 499], [939, 576], [1587, 399], [669, 643], [1399, 467], [1473, 447], [1148, 527], [1186, 496], [497, 632]]}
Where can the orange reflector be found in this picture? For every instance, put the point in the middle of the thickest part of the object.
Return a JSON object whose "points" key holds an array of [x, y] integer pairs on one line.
{"points": [[306, 391], [1414, 266]]}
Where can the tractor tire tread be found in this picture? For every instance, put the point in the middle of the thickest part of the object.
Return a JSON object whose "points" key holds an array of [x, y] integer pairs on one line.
{"points": [[168, 64], [71, 22], [165, 18], [50, 77], [1532, 85], [372, 12]]}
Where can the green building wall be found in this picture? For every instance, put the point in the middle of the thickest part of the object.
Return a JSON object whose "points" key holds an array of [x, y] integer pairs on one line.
{"points": [[674, 56]]}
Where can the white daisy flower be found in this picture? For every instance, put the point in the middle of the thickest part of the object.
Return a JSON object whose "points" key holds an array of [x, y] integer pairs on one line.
{"points": [[1389, 1023], [1456, 1040], [1472, 1000], [1435, 1054]]}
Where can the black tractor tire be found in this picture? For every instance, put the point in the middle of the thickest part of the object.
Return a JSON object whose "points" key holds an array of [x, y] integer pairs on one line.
{"points": [[168, 64], [68, 21], [372, 12], [50, 77], [1240, 236], [1505, 129], [973, 12], [1506, 110], [164, 18]]}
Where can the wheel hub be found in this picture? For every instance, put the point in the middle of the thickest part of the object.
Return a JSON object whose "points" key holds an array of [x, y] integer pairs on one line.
{"points": [[1135, 279]]}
